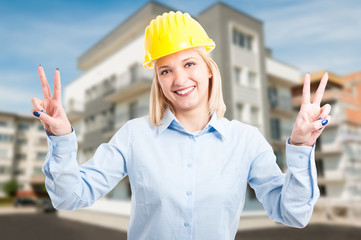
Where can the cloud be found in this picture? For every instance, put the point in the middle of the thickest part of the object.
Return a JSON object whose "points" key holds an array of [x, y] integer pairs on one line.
{"points": [[13, 99], [316, 22], [30, 41]]}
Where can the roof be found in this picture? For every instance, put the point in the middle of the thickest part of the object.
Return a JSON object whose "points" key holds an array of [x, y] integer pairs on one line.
{"points": [[332, 78]]}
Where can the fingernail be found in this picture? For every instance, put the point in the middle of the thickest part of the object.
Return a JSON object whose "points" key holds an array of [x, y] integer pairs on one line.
{"points": [[308, 73], [39, 65], [42, 110], [57, 69], [324, 122], [326, 73], [319, 118], [36, 114]]}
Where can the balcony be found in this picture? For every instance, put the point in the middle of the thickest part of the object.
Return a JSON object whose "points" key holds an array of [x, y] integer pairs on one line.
{"points": [[328, 181], [74, 110], [132, 83], [283, 73], [122, 117], [322, 152], [282, 106]]}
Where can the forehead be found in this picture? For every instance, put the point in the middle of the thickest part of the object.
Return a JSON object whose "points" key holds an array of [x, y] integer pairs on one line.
{"points": [[178, 56]]}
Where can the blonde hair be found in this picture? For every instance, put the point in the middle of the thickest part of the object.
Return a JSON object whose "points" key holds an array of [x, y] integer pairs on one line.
{"points": [[158, 103]]}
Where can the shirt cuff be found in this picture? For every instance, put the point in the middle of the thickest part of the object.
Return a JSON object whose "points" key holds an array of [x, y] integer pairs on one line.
{"points": [[63, 144], [298, 156]]}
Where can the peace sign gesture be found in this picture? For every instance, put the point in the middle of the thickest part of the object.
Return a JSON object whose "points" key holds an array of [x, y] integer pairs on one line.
{"points": [[312, 118], [50, 110]]}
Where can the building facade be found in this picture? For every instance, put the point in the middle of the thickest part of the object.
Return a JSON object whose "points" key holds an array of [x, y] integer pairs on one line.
{"points": [[115, 87], [23, 147]]}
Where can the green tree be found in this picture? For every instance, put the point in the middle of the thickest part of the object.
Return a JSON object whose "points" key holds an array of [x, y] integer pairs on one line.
{"points": [[10, 187]]}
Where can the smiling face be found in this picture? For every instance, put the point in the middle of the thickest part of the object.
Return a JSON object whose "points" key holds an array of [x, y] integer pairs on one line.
{"points": [[184, 79]]}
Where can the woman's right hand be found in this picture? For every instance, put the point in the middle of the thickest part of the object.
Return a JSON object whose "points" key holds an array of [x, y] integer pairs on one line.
{"points": [[50, 110]]}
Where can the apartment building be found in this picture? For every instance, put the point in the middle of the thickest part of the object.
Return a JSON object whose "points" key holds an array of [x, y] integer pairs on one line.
{"points": [[338, 148], [23, 147], [114, 88]]}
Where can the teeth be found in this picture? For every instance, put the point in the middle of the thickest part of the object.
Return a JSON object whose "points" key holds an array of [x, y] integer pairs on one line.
{"points": [[185, 91]]}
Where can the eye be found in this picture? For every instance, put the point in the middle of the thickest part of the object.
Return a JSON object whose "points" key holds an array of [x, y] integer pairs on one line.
{"points": [[164, 72], [189, 64]]}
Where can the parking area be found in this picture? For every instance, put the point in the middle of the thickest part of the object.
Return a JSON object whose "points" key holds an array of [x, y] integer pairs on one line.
{"points": [[41, 226]]}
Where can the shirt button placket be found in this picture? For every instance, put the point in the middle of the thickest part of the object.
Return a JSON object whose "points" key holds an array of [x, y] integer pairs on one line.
{"points": [[189, 187]]}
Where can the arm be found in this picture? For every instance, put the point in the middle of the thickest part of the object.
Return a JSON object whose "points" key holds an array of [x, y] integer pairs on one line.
{"points": [[71, 186], [290, 198], [287, 198]]}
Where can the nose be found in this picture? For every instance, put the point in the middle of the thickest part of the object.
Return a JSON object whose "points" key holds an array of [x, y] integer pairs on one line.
{"points": [[180, 77]]}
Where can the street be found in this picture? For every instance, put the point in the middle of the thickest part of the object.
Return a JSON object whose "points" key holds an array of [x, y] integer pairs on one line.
{"points": [[41, 226]]}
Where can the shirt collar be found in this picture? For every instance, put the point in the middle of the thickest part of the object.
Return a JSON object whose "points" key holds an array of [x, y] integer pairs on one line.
{"points": [[169, 118]]}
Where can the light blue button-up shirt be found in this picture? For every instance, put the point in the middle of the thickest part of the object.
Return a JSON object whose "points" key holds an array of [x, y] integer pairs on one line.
{"points": [[185, 185]]}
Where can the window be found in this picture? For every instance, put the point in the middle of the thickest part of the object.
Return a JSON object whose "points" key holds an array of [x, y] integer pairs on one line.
{"points": [[254, 115], [5, 170], [3, 124], [322, 190], [3, 153], [37, 171], [42, 141], [237, 75], [23, 126], [40, 128], [21, 141], [280, 159], [252, 79], [5, 138], [239, 111], [250, 192], [320, 168], [20, 156], [133, 110], [243, 40], [275, 129], [133, 73], [272, 96], [41, 155]]}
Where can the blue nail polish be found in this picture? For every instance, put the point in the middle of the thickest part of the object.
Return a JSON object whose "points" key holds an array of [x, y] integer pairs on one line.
{"points": [[36, 114], [319, 118], [324, 122]]}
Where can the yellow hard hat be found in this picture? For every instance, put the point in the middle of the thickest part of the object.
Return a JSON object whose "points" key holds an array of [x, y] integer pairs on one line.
{"points": [[173, 32]]}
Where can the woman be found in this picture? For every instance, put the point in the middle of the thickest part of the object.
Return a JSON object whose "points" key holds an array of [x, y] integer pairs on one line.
{"points": [[188, 166]]}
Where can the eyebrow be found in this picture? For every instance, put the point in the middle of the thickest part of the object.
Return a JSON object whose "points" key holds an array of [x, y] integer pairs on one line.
{"points": [[184, 60]]}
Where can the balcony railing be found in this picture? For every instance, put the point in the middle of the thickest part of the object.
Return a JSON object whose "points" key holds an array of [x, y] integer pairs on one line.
{"points": [[281, 103], [123, 117], [134, 76], [74, 110]]}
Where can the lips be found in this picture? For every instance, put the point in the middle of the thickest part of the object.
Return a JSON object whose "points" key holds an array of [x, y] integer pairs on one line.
{"points": [[185, 91]]}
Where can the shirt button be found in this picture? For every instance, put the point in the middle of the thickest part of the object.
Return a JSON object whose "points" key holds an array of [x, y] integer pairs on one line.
{"points": [[189, 193], [189, 165], [57, 144], [186, 224], [302, 156]]}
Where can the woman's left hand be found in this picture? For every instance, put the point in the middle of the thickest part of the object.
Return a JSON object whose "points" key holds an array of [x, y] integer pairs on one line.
{"points": [[312, 119]]}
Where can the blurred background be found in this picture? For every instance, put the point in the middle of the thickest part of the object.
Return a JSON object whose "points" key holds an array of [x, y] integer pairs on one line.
{"points": [[263, 50]]}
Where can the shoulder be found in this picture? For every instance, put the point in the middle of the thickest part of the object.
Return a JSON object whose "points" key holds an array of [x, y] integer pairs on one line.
{"points": [[139, 125], [135, 128]]}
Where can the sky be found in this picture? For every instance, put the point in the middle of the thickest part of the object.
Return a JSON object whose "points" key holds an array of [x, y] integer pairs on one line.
{"points": [[309, 35]]}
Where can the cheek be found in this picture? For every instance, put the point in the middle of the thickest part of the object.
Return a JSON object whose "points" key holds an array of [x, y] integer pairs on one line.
{"points": [[164, 87]]}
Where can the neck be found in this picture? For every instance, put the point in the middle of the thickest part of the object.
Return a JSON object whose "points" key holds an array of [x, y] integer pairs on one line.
{"points": [[193, 120]]}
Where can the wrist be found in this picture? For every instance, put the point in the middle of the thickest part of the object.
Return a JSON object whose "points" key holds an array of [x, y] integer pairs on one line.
{"points": [[294, 143]]}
